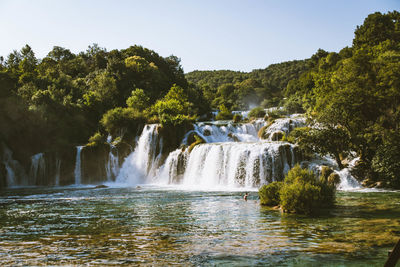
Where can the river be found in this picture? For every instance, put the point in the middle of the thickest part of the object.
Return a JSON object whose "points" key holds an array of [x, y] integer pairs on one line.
{"points": [[167, 225]]}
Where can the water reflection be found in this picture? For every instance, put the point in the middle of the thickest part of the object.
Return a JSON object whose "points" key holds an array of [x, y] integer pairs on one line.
{"points": [[160, 227]]}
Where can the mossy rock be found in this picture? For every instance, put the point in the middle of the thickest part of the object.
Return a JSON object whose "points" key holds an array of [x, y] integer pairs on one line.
{"points": [[172, 135], [124, 149], [325, 172], [234, 137], [334, 179], [206, 132], [198, 141], [277, 136], [237, 118], [262, 133], [94, 160]]}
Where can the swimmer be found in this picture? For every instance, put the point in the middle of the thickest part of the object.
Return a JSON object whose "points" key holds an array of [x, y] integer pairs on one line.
{"points": [[245, 196]]}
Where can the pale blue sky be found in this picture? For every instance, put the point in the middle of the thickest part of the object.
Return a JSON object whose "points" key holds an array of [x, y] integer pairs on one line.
{"points": [[207, 34]]}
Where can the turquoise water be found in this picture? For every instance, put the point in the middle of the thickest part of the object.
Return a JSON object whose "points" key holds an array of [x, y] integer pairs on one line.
{"points": [[166, 226]]}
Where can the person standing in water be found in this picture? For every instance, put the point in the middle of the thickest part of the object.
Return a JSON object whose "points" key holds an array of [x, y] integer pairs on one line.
{"points": [[245, 196]]}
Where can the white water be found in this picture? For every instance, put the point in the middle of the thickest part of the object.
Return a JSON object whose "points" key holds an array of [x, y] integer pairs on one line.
{"points": [[38, 169], [142, 162], [58, 168], [15, 174], [347, 181], [78, 167], [230, 132], [229, 164], [112, 164], [285, 125], [233, 157]]}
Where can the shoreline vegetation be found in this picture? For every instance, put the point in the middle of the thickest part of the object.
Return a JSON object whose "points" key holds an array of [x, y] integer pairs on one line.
{"points": [[351, 99]]}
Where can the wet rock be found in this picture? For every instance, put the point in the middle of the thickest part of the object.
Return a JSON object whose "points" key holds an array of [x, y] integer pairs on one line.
{"points": [[100, 186], [206, 132], [277, 136]]}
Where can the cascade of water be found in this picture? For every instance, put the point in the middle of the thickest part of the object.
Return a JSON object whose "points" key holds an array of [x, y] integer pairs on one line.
{"points": [[78, 166], [143, 160], [8, 163], [229, 132], [58, 168], [112, 164], [15, 174], [112, 167], [38, 169], [285, 126], [347, 181], [229, 164]]}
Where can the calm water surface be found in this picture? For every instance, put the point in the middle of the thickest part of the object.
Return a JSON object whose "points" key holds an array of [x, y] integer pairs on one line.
{"points": [[158, 226]]}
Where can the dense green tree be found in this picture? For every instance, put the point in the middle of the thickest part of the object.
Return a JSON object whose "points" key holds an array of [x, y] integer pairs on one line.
{"points": [[138, 100]]}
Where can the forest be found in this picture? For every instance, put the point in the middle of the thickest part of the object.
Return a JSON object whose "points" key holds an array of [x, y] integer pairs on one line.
{"points": [[351, 97]]}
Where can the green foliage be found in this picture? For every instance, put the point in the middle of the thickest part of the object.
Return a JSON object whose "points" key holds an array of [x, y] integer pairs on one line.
{"points": [[97, 139], [138, 100], [354, 95], [118, 120], [323, 140], [174, 108], [386, 162], [269, 194], [303, 193], [257, 112], [224, 113], [240, 90]]}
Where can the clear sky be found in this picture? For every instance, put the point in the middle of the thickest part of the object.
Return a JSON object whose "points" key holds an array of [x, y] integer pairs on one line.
{"points": [[206, 34]]}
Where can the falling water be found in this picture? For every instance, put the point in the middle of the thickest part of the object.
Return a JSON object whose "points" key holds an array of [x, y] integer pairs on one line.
{"points": [[143, 160], [112, 164], [78, 167], [15, 174], [285, 126], [38, 169], [58, 168], [230, 164]]}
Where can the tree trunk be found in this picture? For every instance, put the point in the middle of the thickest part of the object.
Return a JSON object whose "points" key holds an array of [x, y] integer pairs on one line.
{"points": [[338, 161]]}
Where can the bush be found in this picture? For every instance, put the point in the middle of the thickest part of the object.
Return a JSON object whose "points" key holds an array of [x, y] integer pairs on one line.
{"points": [[258, 112], [386, 162], [96, 139], [269, 194], [223, 114], [118, 120], [303, 193]]}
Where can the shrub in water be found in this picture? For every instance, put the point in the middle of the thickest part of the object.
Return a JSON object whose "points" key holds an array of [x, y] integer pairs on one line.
{"points": [[303, 193], [269, 194]]}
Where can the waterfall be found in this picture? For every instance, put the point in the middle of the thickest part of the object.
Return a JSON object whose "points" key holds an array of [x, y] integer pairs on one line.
{"points": [[38, 169], [347, 181], [228, 132], [142, 162], [58, 174], [232, 156], [230, 164], [9, 163], [15, 174], [112, 164], [78, 167], [284, 126]]}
